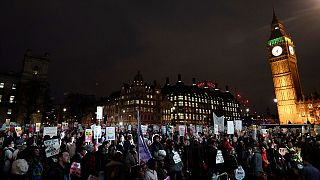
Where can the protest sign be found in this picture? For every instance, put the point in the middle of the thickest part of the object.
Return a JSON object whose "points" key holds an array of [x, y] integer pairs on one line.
{"points": [[182, 130], [97, 132], [129, 127], [219, 157], [38, 126], [65, 126], [99, 112], [238, 125], [51, 131], [88, 135], [164, 129], [144, 129], [110, 133], [18, 131], [230, 127], [52, 147]]}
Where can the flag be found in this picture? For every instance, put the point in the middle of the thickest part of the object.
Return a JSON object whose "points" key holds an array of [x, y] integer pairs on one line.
{"points": [[144, 153]]}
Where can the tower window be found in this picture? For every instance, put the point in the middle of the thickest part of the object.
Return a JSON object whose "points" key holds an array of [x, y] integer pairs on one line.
{"points": [[2, 85], [14, 86], [9, 111]]}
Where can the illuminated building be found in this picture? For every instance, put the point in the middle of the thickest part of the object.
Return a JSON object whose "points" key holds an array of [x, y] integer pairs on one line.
{"points": [[195, 104], [121, 107], [292, 106]]}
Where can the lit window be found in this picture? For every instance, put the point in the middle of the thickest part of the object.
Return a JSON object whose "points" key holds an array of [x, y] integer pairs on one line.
{"points": [[35, 70], [11, 99], [9, 111], [180, 97], [2, 85], [14, 86], [180, 103]]}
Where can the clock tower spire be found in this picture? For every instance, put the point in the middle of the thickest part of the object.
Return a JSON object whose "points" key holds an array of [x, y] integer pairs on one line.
{"points": [[286, 80]]}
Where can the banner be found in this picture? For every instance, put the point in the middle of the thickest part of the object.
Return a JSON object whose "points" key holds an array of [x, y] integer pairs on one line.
{"points": [[88, 135], [230, 127], [97, 132], [52, 147], [182, 130], [110, 133], [238, 125], [99, 112], [219, 121], [38, 126], [51, 131]]}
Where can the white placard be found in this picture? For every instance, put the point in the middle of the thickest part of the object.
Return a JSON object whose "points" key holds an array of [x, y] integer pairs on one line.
{"points": [[219, 121], [51, 131], [230, 127], [52, 147], [129, 127], [219, 157], [38, 126], [99, 112], [238, 125], [239, 173], [164, 129], [182, 130], [144, 129], [97, 132], [110, 133], [176, 157]]}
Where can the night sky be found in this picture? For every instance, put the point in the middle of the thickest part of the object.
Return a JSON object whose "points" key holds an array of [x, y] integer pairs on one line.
{"points": [[96, 45]]}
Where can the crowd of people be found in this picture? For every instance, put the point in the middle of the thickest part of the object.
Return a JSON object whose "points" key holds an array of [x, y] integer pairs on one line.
{"points": [[273, 155]]}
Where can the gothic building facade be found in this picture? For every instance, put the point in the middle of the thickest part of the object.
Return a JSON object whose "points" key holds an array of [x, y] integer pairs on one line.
{"points": [[293, 106], [23, 95]]}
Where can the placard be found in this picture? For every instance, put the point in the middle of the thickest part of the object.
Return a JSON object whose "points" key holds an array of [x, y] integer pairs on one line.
{"points": [[52, 147], [164, 129], [144, 129], [65, 126], [18, 131], [238, 125], [51, 131], [88, 135], [182, 130], [110, 133], [97, 132], [99, 112], [239, 173], [219, 157], [230, 127], [38, 126]]}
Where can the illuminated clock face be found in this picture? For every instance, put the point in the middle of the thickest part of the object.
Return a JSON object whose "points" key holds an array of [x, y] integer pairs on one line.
{"points": [[291, 50], [277, 51]]}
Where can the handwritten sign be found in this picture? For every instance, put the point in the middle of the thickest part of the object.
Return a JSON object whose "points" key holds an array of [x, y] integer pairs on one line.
{"points": [[51, 131], [144, 129], [230, 127], [97, 132], [52, 147], [110, 133], [238, 125]]}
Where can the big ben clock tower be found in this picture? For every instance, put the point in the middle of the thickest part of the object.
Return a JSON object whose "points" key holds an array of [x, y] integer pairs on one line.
{"points": [[286, 80]]}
